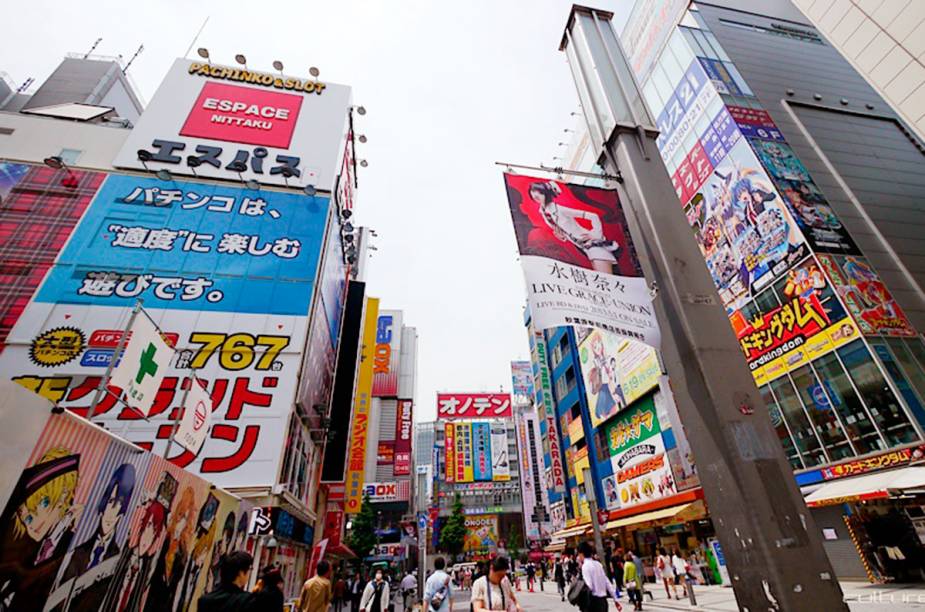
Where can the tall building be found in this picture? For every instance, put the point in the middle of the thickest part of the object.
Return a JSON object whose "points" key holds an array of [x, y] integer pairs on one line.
{"points": [[802, 188], [883, 41], [477, 451], [226, 229], [424, 458]]}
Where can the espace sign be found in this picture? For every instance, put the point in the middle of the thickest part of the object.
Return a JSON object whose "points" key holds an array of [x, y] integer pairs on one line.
{"points": [[388, 491], [386, 354], [227, 123]]}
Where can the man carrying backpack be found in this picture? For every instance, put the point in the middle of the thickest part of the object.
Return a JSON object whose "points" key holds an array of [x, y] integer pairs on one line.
{"points": [[437, 589]]}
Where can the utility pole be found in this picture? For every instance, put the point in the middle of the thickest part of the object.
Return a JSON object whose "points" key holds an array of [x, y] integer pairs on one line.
{"points": [[595, 520], [422, 532], [772, 546]]}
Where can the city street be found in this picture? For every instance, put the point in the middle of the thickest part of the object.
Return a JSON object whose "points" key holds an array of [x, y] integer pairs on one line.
{"points": [[861, 597]]}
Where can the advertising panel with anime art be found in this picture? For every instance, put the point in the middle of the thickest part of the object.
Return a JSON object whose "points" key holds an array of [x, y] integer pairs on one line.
{"points": [[745, 232], [808, 323], [865, 295], [96, 524], [616, 372], [578, 258], [226, 274], [481, 533], [522, 382], [640, 464]]}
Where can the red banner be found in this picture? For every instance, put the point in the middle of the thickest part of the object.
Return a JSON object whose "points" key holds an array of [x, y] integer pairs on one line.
{"points": [[473, 405], [385, 453], [403, 433], [333, 527]]}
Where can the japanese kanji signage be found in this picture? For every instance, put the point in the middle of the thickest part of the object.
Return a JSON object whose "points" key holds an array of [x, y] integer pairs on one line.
{"points": [[463, 437], [143, 364], [227, 123], [197, 418], [578, 258], [192, 246], [404, 424], [473, 405], [891, 459], [481, 444], [449, 445], [388, 491], [356, 454], [556, 479]]}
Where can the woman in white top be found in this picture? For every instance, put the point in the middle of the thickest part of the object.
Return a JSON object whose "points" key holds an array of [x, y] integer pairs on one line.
{"points": [[680, 570], [665, 571], [493, 592], [564, 222]]}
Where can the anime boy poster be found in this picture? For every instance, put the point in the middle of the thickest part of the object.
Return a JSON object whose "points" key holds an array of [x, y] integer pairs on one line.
{"points": [[103, 530], [197, 565], [38, 524]]}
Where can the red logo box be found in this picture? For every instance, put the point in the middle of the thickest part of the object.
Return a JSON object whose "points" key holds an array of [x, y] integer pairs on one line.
{"points": [[244, 115]]}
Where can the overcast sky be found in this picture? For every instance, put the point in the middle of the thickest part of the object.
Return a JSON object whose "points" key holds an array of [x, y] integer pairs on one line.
{"points": [[450, 88]]}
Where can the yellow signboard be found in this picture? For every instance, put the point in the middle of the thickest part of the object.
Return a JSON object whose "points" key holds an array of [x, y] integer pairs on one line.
{"points": [[356, 457]]}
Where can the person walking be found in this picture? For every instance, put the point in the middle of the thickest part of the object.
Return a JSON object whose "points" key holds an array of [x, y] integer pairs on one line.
{"points": [[494, 592], [408, 586], [680, 571], [595, 579], [270, 595], [531, 575], [375, 595], [355, 591], [234, 569], [316, 592], [339, 593], [616, 570], [664, 571], [631, 581], [438, 591], [559, 575]]}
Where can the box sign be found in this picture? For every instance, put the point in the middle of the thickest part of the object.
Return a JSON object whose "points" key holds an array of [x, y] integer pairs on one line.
{"points": [[473, 405], [386, 354], [226, 123], [387, 491]]}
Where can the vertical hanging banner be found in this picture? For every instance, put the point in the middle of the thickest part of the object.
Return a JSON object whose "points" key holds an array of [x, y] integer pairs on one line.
{"points": [[500, 460], [481, 441], [464, 471], [356, 456], [143, 364], [403, 427], [578, 258], [197, 418], [449, 446]]}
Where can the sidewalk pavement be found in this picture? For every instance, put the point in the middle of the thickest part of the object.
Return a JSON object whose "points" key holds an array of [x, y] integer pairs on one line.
{"points": [[860, 596]]}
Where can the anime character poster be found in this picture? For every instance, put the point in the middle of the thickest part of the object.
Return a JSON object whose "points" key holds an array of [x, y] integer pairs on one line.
{"points": [[481, 532], [38, 525], [809, 207], [867, 298], [601, 373], [745, 231], [102, 532], [578, 258]]}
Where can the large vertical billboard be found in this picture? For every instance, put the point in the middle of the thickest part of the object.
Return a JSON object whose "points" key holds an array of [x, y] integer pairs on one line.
{"points": [[522, 382], [464, 466], [500, 458], [449, 451], [387, 355], [359, 436], [556, 481], [404, 429], [578, 258], [227, 274], [238, 124], [481, 444]]}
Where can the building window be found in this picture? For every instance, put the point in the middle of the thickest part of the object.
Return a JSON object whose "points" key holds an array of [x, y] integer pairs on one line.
{"points": [[820, 412], [803, 434], [561, 388], [70, 156], [836, 386], [876, 393]]}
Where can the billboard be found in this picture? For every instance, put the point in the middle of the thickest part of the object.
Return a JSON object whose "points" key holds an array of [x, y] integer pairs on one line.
{"points": [[556, 482], [481, 443], [744, 229], [649, 26], [387, 354], [237, 124], [867, 298], [473, 406], [404, 426], [463, 439], [500, 459], [638, 457], [39, 208], [809, 323], [616, 372], [77, 487], [449, 446], [385, 453], [399, 490], [578, 258], [356, 455], [522, 382], [481, 533], [235, 314]]}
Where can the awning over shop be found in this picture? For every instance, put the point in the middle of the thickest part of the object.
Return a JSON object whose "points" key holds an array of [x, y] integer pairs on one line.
{"points": [[557, 546], [340, 551], [871, 486], [680, 514], [570, 532]]}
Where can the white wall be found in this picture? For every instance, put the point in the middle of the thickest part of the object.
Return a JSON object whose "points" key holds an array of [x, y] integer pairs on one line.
{"points": [[35, 138], [885, 41]]}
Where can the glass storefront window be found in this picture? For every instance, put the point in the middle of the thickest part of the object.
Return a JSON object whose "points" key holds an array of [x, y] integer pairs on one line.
{"points": [[911, 366], [884, 407], [822, 415], [803, 435], [835, 383], [899, 378], [777, 420]]}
